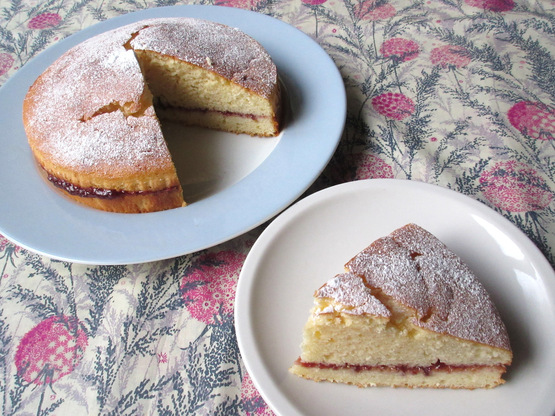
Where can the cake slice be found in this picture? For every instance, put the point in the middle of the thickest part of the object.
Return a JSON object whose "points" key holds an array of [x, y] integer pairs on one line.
{"points": [[406, 313]]}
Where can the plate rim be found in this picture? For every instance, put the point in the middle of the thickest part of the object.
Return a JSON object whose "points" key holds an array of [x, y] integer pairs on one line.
{"points": [[195, 220], [247, 341]]}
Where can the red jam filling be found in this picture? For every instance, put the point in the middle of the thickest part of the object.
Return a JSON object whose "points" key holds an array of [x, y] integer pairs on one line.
{"points": [[401, 368], [91, 192], [205, 110]]}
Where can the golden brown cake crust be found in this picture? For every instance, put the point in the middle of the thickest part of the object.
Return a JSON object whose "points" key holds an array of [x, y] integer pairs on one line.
{"points": [[416, 269], [407, 313], [89, 117], [349, 291], [87, 113], [212, 46]]}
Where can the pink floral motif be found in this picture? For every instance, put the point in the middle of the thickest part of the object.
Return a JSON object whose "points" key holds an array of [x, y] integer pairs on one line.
{"points": [[450, 55], [216, 279], [314, 2], [533, 119], [400, 49], [515, 187], [251, 397], [6, 62], [9, 248], [372, 167], [367, 10], [3, 242], [240, 4], [44, 21], [51, 350], [393, 105], [493, 5]]}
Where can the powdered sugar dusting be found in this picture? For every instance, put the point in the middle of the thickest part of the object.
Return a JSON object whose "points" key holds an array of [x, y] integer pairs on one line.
{"points": [[415, 268], [213, 46], [387, 266], [91, 111], [351, 296], [108, 139], [63, 120]]}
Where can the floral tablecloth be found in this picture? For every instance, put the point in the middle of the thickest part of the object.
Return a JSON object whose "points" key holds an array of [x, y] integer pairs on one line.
{"points": [[457, 93]]}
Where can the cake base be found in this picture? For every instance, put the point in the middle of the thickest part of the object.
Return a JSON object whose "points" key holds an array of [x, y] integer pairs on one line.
{"points": [[448, 377]]}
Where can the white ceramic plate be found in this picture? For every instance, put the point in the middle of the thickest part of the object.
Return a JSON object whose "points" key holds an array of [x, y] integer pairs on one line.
{"points": [[237, 183], [310, 243]]}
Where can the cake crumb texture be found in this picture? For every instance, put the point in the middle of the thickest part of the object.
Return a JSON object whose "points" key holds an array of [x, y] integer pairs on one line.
{"points": [[406, 313], [92, 118]]}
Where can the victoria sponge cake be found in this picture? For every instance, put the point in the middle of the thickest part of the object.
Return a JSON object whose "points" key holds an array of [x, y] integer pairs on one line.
{"points": [[406, 312], [93, 117]]}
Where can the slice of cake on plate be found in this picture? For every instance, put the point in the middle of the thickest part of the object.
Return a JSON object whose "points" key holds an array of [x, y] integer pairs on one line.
{"points": [[407, 312]]}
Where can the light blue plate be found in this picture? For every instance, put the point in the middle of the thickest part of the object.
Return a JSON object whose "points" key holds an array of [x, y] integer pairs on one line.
{"points": [[41, 220]]}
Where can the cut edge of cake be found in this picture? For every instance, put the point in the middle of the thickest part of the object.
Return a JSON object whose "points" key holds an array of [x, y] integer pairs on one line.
{"points": [[368, 330], [143, 179]]}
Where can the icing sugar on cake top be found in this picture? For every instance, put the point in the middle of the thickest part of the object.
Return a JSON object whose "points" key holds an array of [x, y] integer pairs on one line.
{"points": [[351, 296], [419, 271], [92, 117], [89, 93], [232, 53], [82, 98]]}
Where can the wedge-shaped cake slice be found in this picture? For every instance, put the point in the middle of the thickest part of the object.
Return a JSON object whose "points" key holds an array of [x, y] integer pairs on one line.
{"points": [[406, 313]]}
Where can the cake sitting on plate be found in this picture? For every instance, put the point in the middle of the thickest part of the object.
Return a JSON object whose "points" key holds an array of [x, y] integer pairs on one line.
{"points": [[407, 312], [92, 117]]}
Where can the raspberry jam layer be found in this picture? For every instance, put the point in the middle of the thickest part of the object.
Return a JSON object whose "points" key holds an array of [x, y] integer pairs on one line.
{"points": [[162, 106], [400, 368], [91, 192]]}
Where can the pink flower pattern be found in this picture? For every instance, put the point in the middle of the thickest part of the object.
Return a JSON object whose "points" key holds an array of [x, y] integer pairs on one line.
{"points": [[493, 5], [515, 187], [162, 358], [449, 55], [393, 105], [6, 62], [44, 21], [51, 350], [372, 167], [251, 396], [216, 275], [367, 10], [400, 49], [533, 119], [429, 93], [240, 4]]}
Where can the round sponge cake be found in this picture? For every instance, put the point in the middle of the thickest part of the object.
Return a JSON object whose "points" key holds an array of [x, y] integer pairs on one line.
{"points": [[92, 117]]}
